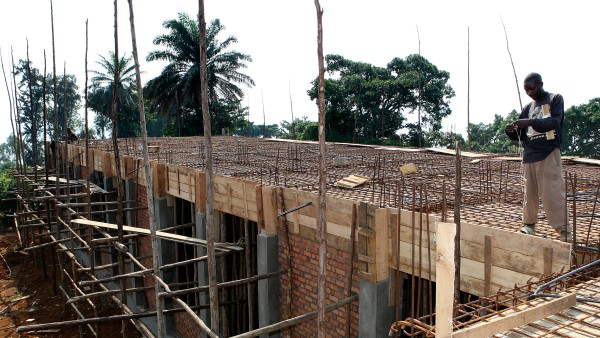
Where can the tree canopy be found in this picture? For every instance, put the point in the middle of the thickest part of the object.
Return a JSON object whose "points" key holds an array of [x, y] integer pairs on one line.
{"points": [[101, 94], [581, 130], [176, 91], [371, 103]]}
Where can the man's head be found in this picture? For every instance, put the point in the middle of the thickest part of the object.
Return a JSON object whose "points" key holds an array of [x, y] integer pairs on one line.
{"points": [[534, 87]]}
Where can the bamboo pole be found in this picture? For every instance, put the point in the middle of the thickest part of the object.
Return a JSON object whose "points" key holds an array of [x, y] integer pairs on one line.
{"points": [[351, 272], [33, 123], [210, 188], [44, 117], [322, 211], [18, 118], [197, 289], [250, 294], [10, 106], [115, 131], [512, 63], [457, 204], [468, 85], [294, 321]]}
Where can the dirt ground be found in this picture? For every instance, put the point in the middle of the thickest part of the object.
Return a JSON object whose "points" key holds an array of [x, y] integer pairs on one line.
{"points": [[28, 298]]}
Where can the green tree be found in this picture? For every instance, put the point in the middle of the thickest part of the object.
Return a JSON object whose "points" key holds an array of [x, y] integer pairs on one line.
{"points": [[73, 104], [101, 95], [367, 103], [294, 129], [581, 130], [490, 137], [176, 91]]}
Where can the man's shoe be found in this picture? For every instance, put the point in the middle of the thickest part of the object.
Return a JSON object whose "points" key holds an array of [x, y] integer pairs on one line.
{"points": [[528, 229], [565, 234]]}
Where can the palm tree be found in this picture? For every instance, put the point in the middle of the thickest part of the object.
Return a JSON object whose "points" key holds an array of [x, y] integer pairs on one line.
{"points": [[101, 93], [178, 86]]}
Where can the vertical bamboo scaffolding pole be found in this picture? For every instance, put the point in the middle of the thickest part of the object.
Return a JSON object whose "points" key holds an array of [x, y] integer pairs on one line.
{"points": [[210, 187], [10, 106], [457, 203], [115, 131], [33, 122], [148, 174], [18, 120], [322, 211]]}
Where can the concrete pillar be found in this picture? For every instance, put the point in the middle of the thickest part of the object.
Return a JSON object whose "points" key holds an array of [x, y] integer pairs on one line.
{"points": [[76, 171], [268, 289], [109, 182], [130, 195], [374, 314], [202, 266], [164, 218]]}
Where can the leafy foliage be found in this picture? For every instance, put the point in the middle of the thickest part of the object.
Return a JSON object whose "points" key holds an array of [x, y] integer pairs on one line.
{"points": [[7, 207], [294, 129], [72, 105], [490, 137], [176, 91], [101, 96], [581, 130]]}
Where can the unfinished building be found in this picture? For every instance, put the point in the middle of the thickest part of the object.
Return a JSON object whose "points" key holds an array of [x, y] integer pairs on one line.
{"points": [[390, 216]]}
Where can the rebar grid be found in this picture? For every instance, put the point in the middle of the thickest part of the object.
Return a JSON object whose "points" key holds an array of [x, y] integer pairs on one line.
{"points": [[581, 319], [492, 187]]}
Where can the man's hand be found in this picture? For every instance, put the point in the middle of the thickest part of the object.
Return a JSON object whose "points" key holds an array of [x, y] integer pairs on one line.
{"points": [[510, 128], [523, 123]]}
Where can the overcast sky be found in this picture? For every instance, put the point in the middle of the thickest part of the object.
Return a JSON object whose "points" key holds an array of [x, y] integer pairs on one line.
{"points": [[558, 39]]}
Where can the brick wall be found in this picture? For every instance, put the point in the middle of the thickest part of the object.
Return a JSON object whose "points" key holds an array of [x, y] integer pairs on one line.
{"points": [[305, 262]]}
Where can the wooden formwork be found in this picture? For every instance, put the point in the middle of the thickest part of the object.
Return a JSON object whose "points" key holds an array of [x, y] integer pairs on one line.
{"points": [[503, 260]]}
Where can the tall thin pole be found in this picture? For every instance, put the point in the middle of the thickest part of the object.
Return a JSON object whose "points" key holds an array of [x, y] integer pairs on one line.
{"points": [[55, 103], [512, 63], [292, 125], [87, 135], [468, 85], [33, 122], [322, 210], [10, 106], [148, 173], [46, 162], [115, 130], [264, 116], [210, 187], [420, 90], [18, 116], [457, 203]]}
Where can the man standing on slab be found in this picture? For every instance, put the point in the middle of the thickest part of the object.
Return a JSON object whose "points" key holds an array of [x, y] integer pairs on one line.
{"points": [[539, 129]]}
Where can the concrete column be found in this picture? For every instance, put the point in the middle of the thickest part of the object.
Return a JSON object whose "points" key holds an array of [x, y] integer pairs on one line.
{"points": [[111, 217], [166, 251], [76, 171], [268, 289], [202, 266], [130, 195], [374, 314]]}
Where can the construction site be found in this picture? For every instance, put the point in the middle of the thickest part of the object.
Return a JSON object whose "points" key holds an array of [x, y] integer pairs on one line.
{"points": [[401, 222]]}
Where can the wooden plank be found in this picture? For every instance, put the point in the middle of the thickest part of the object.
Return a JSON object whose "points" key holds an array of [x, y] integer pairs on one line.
{"points": [[515, 319], [351, 181], [381, 244], [106, 165], [159, 179], [270, 210], [547, 261], [516, 242], [200, 192], [160, 234], [487, 275], [444, 293], [526, 264], [260, 217]]}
